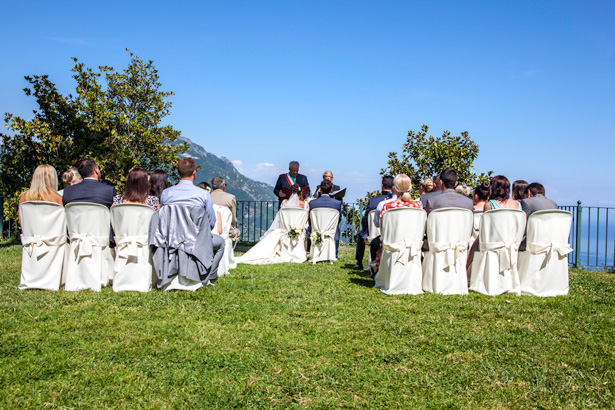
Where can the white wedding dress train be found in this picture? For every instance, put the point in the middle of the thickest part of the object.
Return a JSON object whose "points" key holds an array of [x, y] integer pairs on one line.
{"points": [[270, 248]]}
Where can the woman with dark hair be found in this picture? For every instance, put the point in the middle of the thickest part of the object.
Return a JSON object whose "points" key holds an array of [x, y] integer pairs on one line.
{"points": [[499, 195], [136, 190], [481, 195], [519, 189], [158, 182]]}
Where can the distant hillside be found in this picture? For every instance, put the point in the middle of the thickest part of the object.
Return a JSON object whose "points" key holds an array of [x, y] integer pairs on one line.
{"points": [[239, 185]]}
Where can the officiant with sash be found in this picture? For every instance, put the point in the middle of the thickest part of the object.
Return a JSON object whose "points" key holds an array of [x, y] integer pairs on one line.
{"points": [[285, 181]]}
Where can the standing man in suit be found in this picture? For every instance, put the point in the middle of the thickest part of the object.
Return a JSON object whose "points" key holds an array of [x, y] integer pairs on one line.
{"points": [[222, 198], [372, 204], [325, 201], [448, 198], [90, 189], [536, 200], [287, 180]]}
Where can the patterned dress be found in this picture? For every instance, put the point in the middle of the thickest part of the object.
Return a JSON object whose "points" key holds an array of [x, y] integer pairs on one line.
{"points": [[392, 205], [152, 201]]}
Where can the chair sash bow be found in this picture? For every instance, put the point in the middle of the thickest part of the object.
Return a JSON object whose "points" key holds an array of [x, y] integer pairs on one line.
{"points": [[84, 243], [561, 249], [507, 252], [451, 250], [128, 246], [39, 245], [406, 249]]}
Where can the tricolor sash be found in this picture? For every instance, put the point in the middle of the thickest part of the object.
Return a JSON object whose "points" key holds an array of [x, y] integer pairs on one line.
{"points": [[291, 181]]}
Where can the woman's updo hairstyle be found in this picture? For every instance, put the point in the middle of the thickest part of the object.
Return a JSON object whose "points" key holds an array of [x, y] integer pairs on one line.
{"points": [[427, 184], [403, 185], [295, 189]]}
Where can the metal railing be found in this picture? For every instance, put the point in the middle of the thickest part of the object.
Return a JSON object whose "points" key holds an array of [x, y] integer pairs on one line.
{"points": [[592, 235]]}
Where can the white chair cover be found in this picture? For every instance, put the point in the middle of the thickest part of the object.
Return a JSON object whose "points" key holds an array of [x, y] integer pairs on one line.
{"points": [[543, 266], [476, 222], [444, 266], [228, 259], [402, 231], [43, 256], [494, 270], [324, 221], [293, 250], [133, 269], [182, 283], [90, 260]]}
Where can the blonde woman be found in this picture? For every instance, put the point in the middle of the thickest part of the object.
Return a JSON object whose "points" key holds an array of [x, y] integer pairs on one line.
{"points": [[402, 185], [327, 175], [70, 177], [44, 186]]}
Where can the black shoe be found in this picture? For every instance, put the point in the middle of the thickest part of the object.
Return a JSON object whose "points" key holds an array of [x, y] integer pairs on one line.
{"points": [[358, 266]]}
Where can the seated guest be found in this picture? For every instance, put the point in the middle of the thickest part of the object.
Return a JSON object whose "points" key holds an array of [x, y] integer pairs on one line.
{"points": [[536, 200], [372, 204], [89, 190], [223, 198], [401, 188], [463, 190], [328, 175], [448, 198], [499, 195], [325, 201], [70, 177], [44, 186], [481, 196], [158, 182], [186, 193], [425, 186], [436, 189], [519, 190], [136, 190], [204, 185]]}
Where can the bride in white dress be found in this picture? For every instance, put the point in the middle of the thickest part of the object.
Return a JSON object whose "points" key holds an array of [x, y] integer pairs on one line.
{"points": [[269, 249]]}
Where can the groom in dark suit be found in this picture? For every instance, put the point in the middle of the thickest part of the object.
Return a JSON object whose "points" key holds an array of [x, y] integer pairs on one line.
{"points": [[89, 190], [325, 201], [287, 180]]}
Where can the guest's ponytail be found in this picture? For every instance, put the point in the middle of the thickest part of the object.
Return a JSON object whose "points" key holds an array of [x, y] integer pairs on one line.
{"points": [[403, 185]]}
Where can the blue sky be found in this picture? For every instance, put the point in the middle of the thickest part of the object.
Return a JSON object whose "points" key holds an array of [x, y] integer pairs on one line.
{"points": [[338, 84]]}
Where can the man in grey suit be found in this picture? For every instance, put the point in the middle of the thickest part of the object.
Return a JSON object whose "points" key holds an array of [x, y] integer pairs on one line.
{"points": [[448, 198], [536, 200]]}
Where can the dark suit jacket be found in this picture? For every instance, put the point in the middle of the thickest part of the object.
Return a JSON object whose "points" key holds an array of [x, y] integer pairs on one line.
{"points": [[283, 183], [537, 203], [89, 190], [325, 201], [448, 199], [372, 204]]}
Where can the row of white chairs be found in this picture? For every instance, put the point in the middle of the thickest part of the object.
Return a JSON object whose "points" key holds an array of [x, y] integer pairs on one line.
{"points": [[498, 266], [83, 259]]}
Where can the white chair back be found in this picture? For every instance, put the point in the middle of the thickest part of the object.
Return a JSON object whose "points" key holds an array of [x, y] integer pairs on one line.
{"points": [[476, 222], [228, 259], [372, 229], [293, 249], [543, 266], [133, 269], [402, 231], [90, 260], [43, 257], [494, 270], [444, 267], [324, 223]]}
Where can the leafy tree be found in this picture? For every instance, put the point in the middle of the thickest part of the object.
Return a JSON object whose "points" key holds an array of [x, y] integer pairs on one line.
{"points": [[118, 124], [426, 156]]}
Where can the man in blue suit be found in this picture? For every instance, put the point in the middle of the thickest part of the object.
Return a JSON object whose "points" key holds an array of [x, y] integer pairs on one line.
{"points": [[325, 201], [287, 180], [89, 190], [372, 204]]}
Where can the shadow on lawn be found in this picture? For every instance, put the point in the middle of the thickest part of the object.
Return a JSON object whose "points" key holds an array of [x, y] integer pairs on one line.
{"points": [[365, 282], [5, 243]]}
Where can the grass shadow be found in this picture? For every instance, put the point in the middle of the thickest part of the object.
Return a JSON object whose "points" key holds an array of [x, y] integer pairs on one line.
{"points": [[365, 282], [5, 243]]}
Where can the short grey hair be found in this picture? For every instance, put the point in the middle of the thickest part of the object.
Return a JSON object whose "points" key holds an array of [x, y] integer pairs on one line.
{"points": [[217, 183], [291, 163]]}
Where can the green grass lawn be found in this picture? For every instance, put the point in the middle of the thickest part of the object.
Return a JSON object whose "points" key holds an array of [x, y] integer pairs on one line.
{"points": [[306, 336]]}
